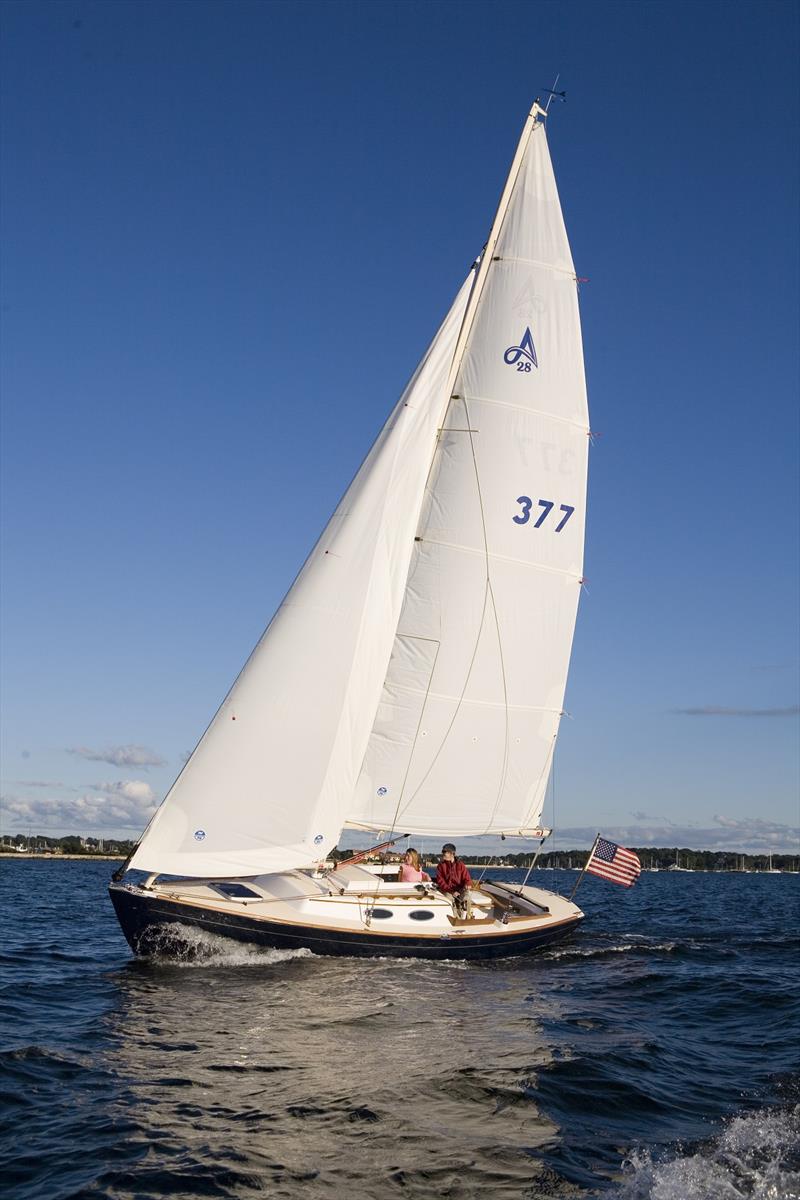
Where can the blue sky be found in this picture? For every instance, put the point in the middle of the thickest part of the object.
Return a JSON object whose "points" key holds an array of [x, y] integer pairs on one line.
{"points": [[229, 231]]}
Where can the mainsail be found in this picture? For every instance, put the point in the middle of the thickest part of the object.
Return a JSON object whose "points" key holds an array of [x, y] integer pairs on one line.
{"points": [[415, 672], [465, 732]]}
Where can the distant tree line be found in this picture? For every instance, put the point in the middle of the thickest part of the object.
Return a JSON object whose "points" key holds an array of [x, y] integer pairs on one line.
{"points": [[72, 844], [661, 858]]}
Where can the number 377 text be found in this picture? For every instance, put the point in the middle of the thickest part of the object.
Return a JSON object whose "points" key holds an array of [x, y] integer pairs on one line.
{"points": [[523, 517]]}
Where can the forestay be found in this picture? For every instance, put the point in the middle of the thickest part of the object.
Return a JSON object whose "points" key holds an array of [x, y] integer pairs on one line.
{"points": [[270, 783], [465, 731]]}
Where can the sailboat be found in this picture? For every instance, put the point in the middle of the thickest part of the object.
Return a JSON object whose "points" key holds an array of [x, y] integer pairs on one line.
{"points": [[412, 680]]}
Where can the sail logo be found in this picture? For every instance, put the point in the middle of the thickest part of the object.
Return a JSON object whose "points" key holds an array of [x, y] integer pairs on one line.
{"points": [[523, 356], [319, 839], [199, 834]]}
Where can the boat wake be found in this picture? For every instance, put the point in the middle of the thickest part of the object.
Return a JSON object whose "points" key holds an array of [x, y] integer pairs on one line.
{"points": [[757, 1157], [573, 953], [180, 945]]}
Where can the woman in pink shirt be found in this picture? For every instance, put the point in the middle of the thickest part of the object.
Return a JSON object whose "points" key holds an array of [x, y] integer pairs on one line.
{"points": [[410, 869]]}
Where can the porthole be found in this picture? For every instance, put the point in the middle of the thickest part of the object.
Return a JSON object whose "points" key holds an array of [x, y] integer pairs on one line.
{"points": [[381, 914], [421, 914]]}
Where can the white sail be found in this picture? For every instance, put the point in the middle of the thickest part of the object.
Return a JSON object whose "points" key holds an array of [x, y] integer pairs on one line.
{"points": [[465, 731], [270, 783]]}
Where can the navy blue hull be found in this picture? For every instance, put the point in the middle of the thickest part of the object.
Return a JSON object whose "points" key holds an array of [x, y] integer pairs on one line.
{"points": [[151, 924]]}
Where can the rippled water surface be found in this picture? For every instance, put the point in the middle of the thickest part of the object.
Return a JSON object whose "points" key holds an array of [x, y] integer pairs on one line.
{"points": [[654, 1056]]}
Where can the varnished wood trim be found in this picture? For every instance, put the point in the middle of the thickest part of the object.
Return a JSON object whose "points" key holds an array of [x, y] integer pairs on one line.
{"points": [[383, 932]]}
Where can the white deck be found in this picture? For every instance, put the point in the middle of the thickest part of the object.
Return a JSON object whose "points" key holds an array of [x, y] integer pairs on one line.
{"points": [[354, 899]]}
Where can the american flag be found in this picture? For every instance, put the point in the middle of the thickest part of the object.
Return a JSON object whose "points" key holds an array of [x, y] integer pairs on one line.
{"points": [[610, 861]]}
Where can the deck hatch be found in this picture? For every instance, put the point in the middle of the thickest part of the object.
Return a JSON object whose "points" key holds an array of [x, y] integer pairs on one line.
{"points": [[237, 891]]}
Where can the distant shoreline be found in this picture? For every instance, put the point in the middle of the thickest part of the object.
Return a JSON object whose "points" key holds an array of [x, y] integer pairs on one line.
{"points": [[472, 866], [494, 866], [65, 857], [120, 857]]}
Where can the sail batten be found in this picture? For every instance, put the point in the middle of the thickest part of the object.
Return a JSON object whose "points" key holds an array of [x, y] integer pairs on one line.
{"points": [[533, 566], [532, 262], [486, 703], [550, 416]]}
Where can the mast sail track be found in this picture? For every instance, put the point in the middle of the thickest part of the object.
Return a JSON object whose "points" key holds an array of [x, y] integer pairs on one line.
{"points": [[491, 243]]}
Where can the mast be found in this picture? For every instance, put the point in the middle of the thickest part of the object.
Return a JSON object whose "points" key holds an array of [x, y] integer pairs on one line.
{"points": [[486, 255]]}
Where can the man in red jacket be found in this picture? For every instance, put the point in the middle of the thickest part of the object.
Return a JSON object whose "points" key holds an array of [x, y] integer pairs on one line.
{"points": [[453, 878]]}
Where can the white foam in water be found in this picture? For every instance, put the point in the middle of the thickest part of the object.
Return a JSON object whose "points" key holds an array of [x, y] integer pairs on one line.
{"points": [[441, 964], [187, 946], [589, 952], [750, 1159]]}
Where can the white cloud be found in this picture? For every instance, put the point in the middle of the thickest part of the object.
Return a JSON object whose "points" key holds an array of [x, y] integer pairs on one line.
{"points": [[651, 818], [713, 710], [135, 790], [41, 783], [124, 807], [121, 756], [728, 834]]}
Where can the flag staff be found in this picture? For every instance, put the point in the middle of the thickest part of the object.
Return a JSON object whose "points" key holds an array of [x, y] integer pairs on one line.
{"points": [[583, 872]]}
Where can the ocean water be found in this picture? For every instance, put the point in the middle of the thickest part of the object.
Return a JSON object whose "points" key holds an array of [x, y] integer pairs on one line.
{"points": [[654, 1057]]}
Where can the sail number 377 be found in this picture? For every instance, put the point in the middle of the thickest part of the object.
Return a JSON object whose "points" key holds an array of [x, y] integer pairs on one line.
{"points": [[546, 506]]}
